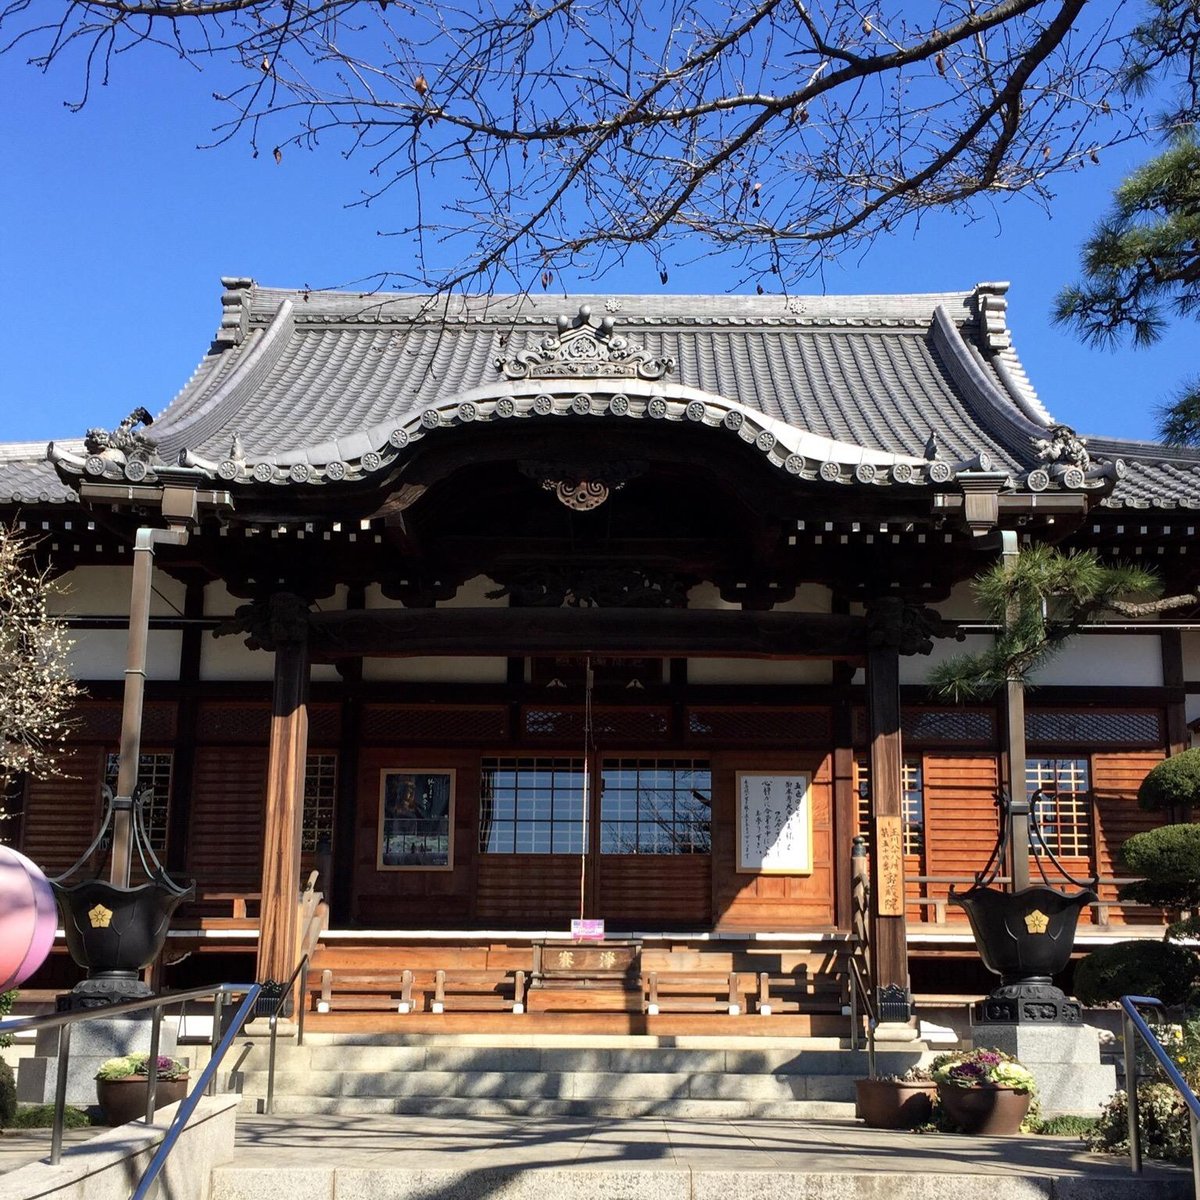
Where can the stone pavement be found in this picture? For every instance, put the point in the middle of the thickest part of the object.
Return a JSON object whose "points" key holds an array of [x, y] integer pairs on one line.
{"points": [[418, 1158]]}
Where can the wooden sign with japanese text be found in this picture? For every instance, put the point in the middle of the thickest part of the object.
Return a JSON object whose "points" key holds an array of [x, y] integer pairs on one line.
{"points": [[774, 824], [889, 847]]}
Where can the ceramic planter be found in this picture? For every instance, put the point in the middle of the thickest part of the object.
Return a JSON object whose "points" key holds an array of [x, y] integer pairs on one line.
{"points": [[889, 1104], [984, 1110], [124, 1100]]}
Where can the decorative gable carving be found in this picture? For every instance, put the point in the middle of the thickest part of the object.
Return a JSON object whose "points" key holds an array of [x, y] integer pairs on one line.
{"points": [[583, 349]]}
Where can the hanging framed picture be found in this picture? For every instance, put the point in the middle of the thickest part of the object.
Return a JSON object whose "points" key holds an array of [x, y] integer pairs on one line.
{"points": [[774, 823], [416, 820]]}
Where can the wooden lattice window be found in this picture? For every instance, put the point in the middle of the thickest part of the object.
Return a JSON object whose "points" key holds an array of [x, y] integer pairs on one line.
{"points": [[655, 806], [154, 770], [320, 791], [912, 803], [1064, 805], [531, 806]]}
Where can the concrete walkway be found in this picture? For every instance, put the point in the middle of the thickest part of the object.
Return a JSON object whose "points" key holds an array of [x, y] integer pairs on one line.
{"points": [[417, 1158]]}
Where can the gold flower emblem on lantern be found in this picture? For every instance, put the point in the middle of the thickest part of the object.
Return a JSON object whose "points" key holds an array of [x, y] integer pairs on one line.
{"points": [[1036, 922], [100, 917]]}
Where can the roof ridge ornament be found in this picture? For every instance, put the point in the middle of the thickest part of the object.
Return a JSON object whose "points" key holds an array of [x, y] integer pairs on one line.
{"points": [[584, 349], [1063, 448]]}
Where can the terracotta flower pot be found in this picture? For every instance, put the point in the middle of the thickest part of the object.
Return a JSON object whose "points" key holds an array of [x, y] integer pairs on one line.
{"points": [[124, 1100], [988, 1110], [888, 1104]]}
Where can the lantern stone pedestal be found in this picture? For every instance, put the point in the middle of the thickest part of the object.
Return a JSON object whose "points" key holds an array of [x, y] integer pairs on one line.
{"points": [[1064, 1059], [91, 1043]]}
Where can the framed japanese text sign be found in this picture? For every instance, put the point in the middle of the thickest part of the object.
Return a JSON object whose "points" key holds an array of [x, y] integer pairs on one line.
{"points": [[416, 820], [889, 847], [774, 824]]}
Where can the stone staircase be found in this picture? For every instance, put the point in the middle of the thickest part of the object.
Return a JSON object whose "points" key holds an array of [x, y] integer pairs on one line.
{"points": [[542, 1076]]}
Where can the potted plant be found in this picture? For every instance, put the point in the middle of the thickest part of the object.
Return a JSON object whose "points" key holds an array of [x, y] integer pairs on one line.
{"points": [[123, 1082], [983, 1091], [896, 1101]]}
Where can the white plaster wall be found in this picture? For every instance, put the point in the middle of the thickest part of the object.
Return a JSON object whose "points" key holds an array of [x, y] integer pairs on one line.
{"points": [[809, 597], [759, 670], [474, 594], [218, 602], [436, 670], [961, 605], [915, 668], [100, 653], [1106, 660], [227, 658], [104, 592], [1191, 657], [707, 595], [375, 598]]}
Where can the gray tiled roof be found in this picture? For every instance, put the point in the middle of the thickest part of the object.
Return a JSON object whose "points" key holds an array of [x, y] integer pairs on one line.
{"points": [[863, 370], [311, 379], [26, 477]]}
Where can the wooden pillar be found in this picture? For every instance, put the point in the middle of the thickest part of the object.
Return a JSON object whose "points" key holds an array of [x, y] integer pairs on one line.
{"points": [[889, 949], [187, 713], [284, 806], [845, 802], [1171, 642], [340, 889]]}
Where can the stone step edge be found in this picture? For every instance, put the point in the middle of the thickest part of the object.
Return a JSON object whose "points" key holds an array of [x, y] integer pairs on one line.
{"points": [[676, 1182]]}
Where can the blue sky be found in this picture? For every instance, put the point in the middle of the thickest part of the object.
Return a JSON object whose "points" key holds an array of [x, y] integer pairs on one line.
{"points": [[116, 229]]}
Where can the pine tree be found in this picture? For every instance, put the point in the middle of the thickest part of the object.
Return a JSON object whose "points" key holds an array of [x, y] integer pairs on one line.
{"points": [[1040, 601], [1141, 264]]}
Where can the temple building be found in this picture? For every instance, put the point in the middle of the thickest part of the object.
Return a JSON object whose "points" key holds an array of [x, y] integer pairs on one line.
{"points": [[506, 612]]}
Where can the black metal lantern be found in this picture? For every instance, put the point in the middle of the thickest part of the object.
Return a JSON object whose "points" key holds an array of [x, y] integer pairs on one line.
{"points": [[1025, 936], [111, 930]]}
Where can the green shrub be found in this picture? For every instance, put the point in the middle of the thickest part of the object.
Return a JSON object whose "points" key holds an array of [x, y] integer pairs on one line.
{"points": [[1173, 784], [8, 1095], [1160, 969], [41, 1116], [7, 1000], [1163, 1118], [1067, 1125], [1169, 860]]}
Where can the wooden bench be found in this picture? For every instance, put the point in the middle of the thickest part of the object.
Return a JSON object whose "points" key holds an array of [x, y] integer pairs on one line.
{"points": [[475, 991], [407, 991], [366, 990], [695, 991], [798, 991]]}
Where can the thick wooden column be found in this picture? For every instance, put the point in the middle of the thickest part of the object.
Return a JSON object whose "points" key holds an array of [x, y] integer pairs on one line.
{"points": [[889, 949], [284, 809]]}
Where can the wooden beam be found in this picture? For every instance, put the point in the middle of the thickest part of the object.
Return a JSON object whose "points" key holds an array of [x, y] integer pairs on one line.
{"points": [[284, 810], [535, 631], [889, 951]]}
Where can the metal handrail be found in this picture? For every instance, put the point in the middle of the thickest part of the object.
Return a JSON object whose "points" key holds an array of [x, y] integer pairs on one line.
{"points": [[860, 993], [1135, 1024], [219, 1047], [273, 1023]]}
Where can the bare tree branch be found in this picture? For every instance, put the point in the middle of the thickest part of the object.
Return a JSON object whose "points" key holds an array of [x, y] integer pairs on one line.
{"points": [[567, 132]]}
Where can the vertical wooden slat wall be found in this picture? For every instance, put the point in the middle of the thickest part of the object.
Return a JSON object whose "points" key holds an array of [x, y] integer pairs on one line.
{"points": [[226, 837], [960, 817], [1116, 777], [62, 814]]}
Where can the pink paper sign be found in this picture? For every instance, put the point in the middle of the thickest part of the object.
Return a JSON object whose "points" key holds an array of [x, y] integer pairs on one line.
{"points": [[590, 930]]}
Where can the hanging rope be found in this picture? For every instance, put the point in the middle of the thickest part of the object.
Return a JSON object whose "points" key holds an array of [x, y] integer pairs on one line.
{"points": [[587, 781]]}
